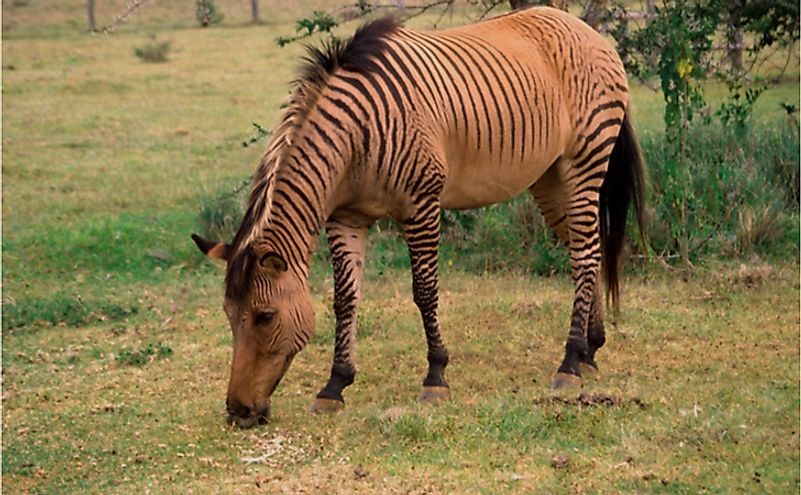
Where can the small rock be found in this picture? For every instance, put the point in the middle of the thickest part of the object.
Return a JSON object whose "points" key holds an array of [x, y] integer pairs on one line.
{"points": [[360, 472], [560, 461]]}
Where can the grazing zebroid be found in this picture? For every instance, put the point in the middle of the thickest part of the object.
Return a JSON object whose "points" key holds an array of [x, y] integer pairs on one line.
{"points": [[398, 123]]}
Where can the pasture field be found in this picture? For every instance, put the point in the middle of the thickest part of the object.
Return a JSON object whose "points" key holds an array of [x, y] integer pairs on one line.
{"points": [[115, 351]]}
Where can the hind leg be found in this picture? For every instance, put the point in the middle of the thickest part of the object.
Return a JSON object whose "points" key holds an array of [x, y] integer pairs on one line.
{"points": [[573, 216], [596, 335]]}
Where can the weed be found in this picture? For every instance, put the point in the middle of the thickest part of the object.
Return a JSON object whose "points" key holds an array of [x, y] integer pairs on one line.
{"points": [[153, 51], [143, 355], [740, 191], [758, 225]]}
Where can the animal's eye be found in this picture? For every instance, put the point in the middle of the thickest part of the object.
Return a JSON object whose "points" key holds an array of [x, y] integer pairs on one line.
{"points": [[264, 317]]}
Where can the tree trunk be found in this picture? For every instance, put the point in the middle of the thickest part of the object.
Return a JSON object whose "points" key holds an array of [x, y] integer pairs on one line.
{"points": [[653, 59], [734, 43], [519, 4], [254, 10], [90, 7]]}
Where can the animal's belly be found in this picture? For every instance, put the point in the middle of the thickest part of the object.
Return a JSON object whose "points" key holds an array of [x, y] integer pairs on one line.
{"points": [[476, 186]]}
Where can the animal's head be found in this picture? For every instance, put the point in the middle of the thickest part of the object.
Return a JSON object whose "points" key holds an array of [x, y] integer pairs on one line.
{"points": [[269, 309]]}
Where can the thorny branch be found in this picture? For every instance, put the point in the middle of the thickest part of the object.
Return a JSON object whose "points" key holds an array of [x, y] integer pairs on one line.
{"points": [[130, 7]]}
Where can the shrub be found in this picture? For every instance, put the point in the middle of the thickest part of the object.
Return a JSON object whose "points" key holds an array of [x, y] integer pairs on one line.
{"points": [[153, 51], [206, 13], [743, 188]]}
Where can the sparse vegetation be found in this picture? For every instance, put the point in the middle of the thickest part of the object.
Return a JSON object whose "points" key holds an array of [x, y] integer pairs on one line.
{"points": [[153, 51], [114, 342], [144, 354]]}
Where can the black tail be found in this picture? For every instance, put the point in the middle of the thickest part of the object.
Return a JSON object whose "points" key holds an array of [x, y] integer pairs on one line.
{"points": [[623, 186]]}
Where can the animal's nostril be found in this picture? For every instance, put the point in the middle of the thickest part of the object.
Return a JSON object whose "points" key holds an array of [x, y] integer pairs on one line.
{"points": [[235, 408]]}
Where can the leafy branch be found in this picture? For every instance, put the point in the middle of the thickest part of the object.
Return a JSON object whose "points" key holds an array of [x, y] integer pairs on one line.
{"points": [[326, 22]]}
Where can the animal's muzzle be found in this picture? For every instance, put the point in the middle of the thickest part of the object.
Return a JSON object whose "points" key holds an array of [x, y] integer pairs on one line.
{"points": [[246, 417]]}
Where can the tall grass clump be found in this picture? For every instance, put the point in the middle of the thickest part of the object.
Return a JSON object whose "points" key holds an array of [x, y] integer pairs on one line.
{"points": [[742, 192], [221, 213], [153, 51]]}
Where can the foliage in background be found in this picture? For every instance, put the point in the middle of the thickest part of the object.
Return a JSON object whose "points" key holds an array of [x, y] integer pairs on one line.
{"points": [[737, 110], [742, 191], [770, 22], [153, 51], [675, 44], [319, 22], [206, 13]]}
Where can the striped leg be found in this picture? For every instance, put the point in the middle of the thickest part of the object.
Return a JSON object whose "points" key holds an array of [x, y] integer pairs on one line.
{"points": [[596, 335], [574, 219], [585, 259], [347, 245], [422, 236]]}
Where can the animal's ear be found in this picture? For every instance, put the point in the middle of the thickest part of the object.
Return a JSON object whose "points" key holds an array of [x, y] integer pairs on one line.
{"points": [[215, 250], [273, 264]]}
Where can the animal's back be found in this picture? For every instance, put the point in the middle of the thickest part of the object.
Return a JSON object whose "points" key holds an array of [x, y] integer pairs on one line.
{"points": [[503, 99]]}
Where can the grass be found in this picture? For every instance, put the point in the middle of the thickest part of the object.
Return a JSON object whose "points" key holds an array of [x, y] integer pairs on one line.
{"points": [[115, 352], [703, 384]]}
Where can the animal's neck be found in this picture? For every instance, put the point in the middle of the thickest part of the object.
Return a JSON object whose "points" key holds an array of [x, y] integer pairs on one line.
{"points": [[304, 192]]}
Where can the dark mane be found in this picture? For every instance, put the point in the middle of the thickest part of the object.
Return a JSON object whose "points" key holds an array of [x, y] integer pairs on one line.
{"points": [[237, 278], [354, 55]]}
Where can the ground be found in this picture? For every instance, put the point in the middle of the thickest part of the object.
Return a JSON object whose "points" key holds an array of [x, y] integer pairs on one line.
{"points": [[115, 349]]}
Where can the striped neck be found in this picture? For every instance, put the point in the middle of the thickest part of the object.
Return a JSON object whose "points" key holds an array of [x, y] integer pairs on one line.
{"points": [[303, 192]]}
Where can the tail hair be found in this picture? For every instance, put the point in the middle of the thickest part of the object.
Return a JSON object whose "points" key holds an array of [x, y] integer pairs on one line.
{"points": [[623, 187]]}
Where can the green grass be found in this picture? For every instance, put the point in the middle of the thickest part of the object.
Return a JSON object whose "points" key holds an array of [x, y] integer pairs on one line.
{"points": [[116, 353]]}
